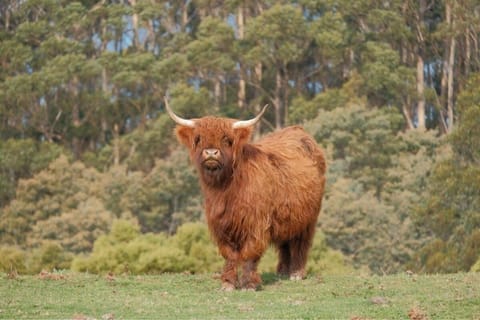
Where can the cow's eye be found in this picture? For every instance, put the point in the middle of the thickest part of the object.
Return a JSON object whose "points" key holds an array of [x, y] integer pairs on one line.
{"points": [[227, 141], [196, 141]]}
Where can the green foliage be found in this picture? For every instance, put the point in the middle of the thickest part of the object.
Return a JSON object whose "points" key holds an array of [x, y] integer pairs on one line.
{"points": [[20, 158], [165, 198], [49, 256], [73, 233], [386, 81], [210, 50], [280, 35], [188, 250], [452, 208], [60, 204], [73, 205], [476, 266], [303, 109], [451, 212], [124, 249], [375, 181], [464, 139], [364, 141], [12, 259]]}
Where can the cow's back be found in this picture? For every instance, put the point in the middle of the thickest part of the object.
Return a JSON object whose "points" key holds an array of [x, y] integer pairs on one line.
{"points": [[293, 143]]}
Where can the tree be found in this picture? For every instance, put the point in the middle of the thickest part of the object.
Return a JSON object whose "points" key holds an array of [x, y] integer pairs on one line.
{"points": [[49, 205], [279, 37], [375, 180], [211, 56], [20, 159], [452, 207]]}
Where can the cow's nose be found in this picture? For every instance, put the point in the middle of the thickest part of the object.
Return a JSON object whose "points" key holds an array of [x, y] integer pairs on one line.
{"points": [[211, 153]]}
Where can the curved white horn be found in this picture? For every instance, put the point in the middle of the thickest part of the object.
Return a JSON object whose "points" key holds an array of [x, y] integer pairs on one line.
{"points": [[251, 122], [177, 119]]}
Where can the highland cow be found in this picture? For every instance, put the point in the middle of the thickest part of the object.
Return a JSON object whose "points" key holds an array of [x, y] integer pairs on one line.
{"points": [[256, 194]]}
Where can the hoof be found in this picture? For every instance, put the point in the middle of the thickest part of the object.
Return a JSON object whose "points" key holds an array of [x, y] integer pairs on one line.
{"points": [[297, 276], [251, 287], [227, 287]]}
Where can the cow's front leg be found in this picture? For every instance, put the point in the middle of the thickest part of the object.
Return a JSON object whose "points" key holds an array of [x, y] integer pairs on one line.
{"points": [[251, 253], [250, 278], [229, 275]]}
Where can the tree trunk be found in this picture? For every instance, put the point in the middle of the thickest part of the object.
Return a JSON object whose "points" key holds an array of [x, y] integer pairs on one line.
{"points": [[285, 94], [451, 62], [76, 142], [136, 39], [116, 145], [241, 94], [468, 53], [406, 114], [184, 15], [420, 68], [278, 101], [103, 121], [420, 93], [217, 93]]}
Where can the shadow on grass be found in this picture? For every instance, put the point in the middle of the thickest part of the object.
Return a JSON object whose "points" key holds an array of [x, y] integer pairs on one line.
{"points": [[269, 278]]}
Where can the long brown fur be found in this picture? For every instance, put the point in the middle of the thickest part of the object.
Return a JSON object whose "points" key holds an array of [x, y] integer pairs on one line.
{"points": [[265, 192]]}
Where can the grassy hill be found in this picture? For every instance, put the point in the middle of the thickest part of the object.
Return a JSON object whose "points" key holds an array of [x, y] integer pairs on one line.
{"points": [[181, 296]]}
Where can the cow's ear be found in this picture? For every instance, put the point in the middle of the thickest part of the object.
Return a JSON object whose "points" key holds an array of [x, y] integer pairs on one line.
{"points": [[185, 135], [242, 135]]}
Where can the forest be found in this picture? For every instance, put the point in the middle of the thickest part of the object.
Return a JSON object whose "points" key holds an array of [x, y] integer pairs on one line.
{"points": [[93, 179]]}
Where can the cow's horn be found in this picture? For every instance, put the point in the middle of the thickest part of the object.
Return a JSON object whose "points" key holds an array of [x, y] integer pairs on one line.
{"points": [[251, 122], [177, 119]]}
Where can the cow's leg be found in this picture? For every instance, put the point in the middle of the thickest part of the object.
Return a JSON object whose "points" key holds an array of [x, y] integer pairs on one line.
{"points": [[251, 253], [229, 275], [283, 267], [250, 278], [299, 247]]}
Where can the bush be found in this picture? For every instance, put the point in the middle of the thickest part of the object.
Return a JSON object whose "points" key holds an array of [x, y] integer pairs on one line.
{"points": [[50, 256], [194, 240], [165, 259], [476, 267], [124, 249], [12, 259]]}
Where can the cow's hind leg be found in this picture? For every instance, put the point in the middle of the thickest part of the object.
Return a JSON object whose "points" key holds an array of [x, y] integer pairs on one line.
{"points": [[283, 267], [299, 247]]}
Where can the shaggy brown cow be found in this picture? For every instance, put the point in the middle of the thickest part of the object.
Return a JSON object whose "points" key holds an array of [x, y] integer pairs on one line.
{"points": [[256, 193]]}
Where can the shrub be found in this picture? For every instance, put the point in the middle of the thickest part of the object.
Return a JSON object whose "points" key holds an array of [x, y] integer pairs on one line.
{"points": [[124, 249], [50, 256], [12, 259], [476, 267], [165, 259], [194, 240]]}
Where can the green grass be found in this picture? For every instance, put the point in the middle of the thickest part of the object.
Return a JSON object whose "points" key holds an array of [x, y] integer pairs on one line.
{"points": [[180, 296]]}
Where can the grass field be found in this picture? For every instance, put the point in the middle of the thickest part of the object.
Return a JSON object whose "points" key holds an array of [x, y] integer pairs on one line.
{"points": [[181, 296]]}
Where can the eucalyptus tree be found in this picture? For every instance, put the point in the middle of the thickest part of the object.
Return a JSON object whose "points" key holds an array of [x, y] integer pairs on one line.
{"points": [[279, 37], [452, 205], [211, 57]]}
